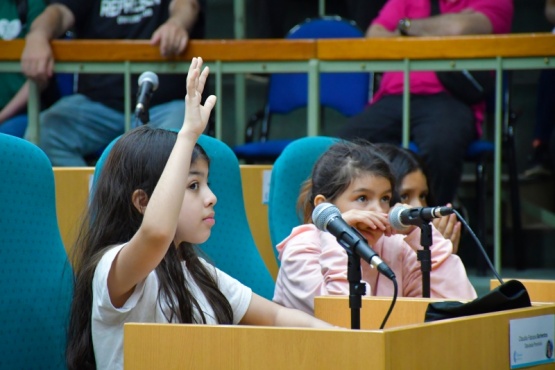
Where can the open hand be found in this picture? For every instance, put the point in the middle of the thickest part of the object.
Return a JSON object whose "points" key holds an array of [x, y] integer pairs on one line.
{"points": [[196, 115]]}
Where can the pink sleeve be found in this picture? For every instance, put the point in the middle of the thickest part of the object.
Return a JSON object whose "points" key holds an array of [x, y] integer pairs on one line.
{"points": [[448, 277], [390, 14], [299, 279], [312, 264], [333, 264], [499, 12]]}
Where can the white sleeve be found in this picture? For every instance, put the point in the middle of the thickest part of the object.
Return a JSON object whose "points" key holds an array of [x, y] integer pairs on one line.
{"points": [[101, 297], [238, 295]]}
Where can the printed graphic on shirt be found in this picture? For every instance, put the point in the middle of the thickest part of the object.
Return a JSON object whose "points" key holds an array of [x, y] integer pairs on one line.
{"points": [[9, 30], [128, 11]]}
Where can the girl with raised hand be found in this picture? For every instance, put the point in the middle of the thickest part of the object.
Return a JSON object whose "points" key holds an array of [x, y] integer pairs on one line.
{"points": [[356, 178], [135, 258]]}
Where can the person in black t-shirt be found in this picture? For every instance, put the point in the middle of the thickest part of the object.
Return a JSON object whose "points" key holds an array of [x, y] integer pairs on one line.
{"points": [[84, 123]]}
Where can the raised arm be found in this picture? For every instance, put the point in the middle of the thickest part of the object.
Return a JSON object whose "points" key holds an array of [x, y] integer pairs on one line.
{"points": [[37, 61], [172, 36], [150, 243]]}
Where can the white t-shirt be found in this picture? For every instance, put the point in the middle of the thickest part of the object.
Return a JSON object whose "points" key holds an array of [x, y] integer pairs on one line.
{"points": [[142, 306]]}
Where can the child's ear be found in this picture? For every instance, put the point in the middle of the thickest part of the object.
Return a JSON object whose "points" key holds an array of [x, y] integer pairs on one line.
{"points": [[140, 200], [319, 199]]}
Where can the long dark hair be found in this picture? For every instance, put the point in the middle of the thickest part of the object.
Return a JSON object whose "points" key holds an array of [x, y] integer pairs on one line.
{"points": [[402, 162], [337, 168], [135, 162]]}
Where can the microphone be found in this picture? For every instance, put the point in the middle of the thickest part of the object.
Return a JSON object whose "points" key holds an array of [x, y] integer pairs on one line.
{"points": [[148, 83], [402, 217], [327, 217]]}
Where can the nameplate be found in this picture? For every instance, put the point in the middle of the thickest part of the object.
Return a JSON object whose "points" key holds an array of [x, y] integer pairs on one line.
{"points": [[531, 341]]}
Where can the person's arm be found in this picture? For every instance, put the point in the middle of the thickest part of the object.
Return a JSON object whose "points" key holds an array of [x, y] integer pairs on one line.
{"points": [[148, 246], [466, 22], [37, 61], [377, 30], [550, 10], [304, 272], [17, 102], [264, 312], [172, 36]]}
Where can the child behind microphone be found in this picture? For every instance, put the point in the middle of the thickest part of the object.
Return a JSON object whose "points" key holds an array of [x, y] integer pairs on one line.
{"points": [[356, 178]]}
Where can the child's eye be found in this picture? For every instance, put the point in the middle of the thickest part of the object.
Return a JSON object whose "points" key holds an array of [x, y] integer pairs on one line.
{"points": [[194, 186], [386, 198], [423, 196], [362, 198], [404, 197]]}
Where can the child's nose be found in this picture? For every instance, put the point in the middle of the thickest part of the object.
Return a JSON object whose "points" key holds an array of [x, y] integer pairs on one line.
{"points": [[211, 198], [374, 206]]}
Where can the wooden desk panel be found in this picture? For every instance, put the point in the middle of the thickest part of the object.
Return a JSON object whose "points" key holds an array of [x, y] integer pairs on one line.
{"points": [[472, 342], [72, 196], [257, 212], [539, 290]]}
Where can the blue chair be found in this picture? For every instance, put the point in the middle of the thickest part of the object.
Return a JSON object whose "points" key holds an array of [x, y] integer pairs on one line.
{"points": [[345, 92], [36, 278], [290, 170], [231, 246]]}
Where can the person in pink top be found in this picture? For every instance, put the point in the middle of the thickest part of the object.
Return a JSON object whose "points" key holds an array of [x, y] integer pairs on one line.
{"points": [[441, 125], [357, 179]]}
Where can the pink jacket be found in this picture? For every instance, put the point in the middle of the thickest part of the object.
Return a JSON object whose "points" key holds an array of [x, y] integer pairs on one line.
{"points": [[314, 264]]}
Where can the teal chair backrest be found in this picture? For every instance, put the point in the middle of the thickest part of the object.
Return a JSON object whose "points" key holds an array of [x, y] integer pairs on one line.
{"points": [[290, 170], [36, 279], [231, 246]]}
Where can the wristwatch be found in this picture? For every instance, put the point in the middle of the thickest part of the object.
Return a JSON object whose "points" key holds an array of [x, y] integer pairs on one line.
{"points": [[404, 26]]}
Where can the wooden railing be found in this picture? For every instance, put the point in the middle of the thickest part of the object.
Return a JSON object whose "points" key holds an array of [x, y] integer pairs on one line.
{"points": [[495, 52]]}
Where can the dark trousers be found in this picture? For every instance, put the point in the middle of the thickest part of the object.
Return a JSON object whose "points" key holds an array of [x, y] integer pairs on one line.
{"points": [[441, 126]]}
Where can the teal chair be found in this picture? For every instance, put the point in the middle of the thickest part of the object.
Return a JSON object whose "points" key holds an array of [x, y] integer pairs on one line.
{"points": [[290, 170], [231, 246], [36, 279]]}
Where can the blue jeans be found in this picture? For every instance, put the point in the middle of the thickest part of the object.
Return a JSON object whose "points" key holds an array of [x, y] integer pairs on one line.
{"points": [[14, 126], [76, 127]]}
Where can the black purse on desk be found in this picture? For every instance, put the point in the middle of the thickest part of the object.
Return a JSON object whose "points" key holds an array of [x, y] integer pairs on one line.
{"points": [[507, 296], [471, 87]]}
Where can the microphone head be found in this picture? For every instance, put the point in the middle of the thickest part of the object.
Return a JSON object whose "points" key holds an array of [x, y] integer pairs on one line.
{"points": [[395, 218], [323, 214], [149, 77]]}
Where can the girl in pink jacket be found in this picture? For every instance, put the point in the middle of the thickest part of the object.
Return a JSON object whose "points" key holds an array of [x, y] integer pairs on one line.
{"points": [[357, 179]]}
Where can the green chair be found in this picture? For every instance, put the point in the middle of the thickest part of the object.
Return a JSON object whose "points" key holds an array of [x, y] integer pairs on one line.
{"points": [[290, 170]]}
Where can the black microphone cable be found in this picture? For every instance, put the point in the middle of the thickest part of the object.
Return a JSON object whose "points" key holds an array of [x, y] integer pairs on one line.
{"points": [[480, 246], [392, 304]]}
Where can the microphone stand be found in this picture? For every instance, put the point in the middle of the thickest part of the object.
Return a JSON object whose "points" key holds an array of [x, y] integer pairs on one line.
{"points": [[357, 288], [425, 257]]}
